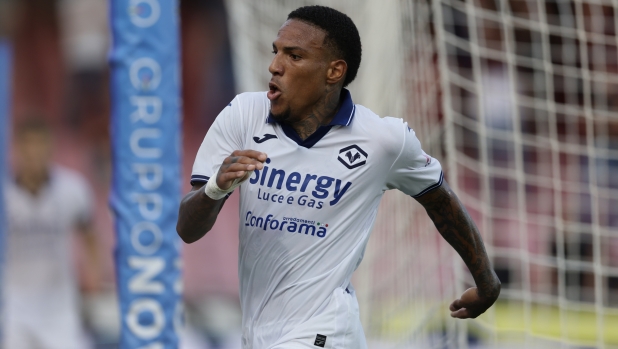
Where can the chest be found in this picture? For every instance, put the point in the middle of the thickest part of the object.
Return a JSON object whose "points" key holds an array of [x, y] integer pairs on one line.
{"points": [[339, 166], [44, 214]]}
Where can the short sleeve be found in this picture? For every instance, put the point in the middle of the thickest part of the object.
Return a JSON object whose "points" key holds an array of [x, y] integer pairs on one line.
{"points": [[414, 172], [224, 136]]}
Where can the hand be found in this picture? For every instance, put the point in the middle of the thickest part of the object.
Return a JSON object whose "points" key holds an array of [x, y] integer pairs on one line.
{"points": [[470, 305], [239, 165]]}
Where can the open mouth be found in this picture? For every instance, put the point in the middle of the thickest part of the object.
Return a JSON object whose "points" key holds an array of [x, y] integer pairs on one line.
{"points": [[273, 92]]}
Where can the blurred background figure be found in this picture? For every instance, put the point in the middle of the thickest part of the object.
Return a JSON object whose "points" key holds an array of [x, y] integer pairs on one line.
{"points": [[45, 204]]}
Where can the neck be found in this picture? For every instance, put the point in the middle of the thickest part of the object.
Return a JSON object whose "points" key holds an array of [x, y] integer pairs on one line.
{"points": [[32, 182], [321, 115]]}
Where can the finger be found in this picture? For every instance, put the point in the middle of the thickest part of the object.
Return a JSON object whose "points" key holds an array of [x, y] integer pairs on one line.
{"points": [[245, 160], [228, 177], [456, 305], [254, 154], [238, 167], [462, 313]]}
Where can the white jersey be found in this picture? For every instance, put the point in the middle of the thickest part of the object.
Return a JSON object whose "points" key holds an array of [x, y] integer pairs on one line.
{"points": [[305, 219], [41, 298]]}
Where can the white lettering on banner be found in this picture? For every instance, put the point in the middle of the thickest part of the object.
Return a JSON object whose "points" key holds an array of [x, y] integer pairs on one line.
{"points": [[157, 237], [178, 285], [143, 152], [145, 74], [179, 315], [150, 205], [144, 13], [143, 281], [150, 175], [139, 307], [149, 109], [156, 345]]}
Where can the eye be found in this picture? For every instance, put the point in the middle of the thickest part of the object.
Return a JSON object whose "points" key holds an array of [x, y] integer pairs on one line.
{"points": [[295, 57], [274, 52]]}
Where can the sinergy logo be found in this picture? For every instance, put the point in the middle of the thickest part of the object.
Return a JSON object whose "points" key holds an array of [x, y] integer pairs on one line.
{"points": [[295, 183], [289, 224]]}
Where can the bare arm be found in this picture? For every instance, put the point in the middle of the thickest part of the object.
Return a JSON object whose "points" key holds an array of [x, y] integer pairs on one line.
{"points": [[198, 212], [92, 266], [457, 228]]}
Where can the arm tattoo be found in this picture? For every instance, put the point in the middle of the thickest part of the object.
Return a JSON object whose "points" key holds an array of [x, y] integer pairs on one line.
{"points": [[457, 228]]}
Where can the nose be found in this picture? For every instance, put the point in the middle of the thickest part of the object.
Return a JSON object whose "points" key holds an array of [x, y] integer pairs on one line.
{"points": [[276, 68]]}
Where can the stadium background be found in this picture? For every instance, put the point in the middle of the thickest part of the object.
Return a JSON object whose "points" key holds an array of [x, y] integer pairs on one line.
{"points": [[518, 99]]}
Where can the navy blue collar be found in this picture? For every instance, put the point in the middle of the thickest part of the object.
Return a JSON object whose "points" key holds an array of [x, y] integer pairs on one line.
{"points": [[343, 118]]}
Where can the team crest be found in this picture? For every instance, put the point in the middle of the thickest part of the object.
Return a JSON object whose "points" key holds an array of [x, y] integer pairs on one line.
{"points": [[352, 156]]}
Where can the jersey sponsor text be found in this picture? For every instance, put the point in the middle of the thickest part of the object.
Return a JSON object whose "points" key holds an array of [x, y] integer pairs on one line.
{"points": [[323, 187]]}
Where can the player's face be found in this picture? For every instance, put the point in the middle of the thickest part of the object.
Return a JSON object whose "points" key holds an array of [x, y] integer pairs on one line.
{"points": [[299, 71], [33, 152]]}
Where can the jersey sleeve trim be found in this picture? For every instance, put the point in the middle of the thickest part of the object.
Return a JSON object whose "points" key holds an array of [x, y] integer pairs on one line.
{"points": [[430, 188], [199, 179], [195, 179]]}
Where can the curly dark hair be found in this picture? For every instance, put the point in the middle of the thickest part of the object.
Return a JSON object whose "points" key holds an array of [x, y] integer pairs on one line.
{"points": [[341, 34]]}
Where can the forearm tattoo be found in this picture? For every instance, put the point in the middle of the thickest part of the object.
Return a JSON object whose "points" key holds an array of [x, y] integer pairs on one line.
{"points": [[457, 228]]}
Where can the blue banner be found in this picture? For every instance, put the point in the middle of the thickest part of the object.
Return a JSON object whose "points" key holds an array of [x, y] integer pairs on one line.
{"points": [[5, 98], [145, 195]]}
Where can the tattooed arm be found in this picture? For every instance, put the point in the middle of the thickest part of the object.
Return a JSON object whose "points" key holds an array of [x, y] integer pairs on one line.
{"points": [[458, 229]]}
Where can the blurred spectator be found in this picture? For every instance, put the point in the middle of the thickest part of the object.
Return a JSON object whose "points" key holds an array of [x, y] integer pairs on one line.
{"points": [[45, 204]]}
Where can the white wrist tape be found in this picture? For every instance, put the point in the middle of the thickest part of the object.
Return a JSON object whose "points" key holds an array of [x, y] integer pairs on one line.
{"points": [[213, 191]]}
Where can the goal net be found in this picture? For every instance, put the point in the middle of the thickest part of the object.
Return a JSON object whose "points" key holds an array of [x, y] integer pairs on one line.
{"points": [[519, 101], [531, 115]]}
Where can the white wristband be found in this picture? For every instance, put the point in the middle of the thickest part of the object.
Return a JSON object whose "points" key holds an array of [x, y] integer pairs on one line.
{"points": [[213, 191]]}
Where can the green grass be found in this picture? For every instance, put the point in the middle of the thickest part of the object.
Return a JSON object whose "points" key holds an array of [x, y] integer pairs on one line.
{"points": [[508, 322], [575, 326]]}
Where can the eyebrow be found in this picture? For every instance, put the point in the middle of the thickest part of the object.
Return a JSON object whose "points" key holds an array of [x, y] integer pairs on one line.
{"points": [[290, 48]]}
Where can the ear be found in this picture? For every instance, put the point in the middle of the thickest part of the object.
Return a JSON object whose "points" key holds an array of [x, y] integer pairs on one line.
{"points": [[336, 71]]}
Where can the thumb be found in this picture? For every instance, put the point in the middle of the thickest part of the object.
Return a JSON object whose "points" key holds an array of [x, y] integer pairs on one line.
{"points": [[456, 305], [462, 313]]}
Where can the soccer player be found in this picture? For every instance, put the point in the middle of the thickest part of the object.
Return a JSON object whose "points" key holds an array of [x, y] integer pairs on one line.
{"points": [[312, 167], [45, 203]]}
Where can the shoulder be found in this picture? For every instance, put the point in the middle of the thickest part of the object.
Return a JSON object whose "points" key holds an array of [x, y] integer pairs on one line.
{"points": [[247, 107], [387, 131], [68, 180], [250, 100], [366, 118]]}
